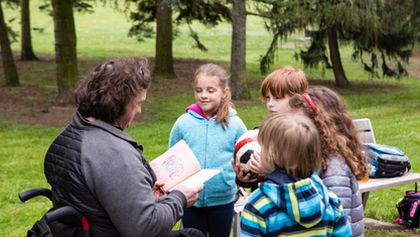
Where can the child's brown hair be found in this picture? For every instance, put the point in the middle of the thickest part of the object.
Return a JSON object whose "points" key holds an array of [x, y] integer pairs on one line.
{"points": [[106, 91], [214, 70], [284, 81], [335, 126], [291, 142]]}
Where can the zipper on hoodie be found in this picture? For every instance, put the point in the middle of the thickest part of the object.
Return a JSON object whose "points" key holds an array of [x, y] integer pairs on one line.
{"points": [[205, 158]]}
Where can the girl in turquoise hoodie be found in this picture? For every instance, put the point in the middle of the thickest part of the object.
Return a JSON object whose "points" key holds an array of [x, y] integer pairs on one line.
{"points": [[211, 127]]}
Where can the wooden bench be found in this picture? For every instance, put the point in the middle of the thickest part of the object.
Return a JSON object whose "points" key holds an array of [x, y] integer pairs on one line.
{"points": [[366, 135]]}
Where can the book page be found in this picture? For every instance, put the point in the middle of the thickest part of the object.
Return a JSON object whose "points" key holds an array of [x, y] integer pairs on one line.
{"points": [[200, 177], [175, 165]]}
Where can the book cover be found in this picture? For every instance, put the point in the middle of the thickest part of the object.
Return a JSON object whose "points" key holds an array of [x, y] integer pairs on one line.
{"points": [[179, 165]]}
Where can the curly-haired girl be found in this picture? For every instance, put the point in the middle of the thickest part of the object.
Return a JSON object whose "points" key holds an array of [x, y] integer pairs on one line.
{"points": [[343, 162]]}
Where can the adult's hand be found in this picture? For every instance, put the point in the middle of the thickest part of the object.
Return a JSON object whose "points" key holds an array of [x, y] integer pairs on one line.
{"points": [[158, 190], [190, 193]]}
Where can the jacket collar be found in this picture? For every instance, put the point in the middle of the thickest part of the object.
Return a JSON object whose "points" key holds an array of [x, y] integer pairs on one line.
{"points": [[80, 121], [280, 177], [196, 111]]}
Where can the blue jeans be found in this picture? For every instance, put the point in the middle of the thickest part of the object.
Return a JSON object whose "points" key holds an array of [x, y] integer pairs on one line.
{"points": [[216, 221]]}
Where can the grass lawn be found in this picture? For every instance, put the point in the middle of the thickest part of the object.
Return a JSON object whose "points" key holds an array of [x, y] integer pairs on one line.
{"points": [[393, 106]]}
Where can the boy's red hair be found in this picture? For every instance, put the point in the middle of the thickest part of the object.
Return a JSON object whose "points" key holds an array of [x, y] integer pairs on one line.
{"points": [[284, 81]]}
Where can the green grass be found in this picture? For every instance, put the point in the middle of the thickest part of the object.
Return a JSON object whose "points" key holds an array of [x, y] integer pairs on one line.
{"points": [[382, 233], [21, 168], [393, 106]]}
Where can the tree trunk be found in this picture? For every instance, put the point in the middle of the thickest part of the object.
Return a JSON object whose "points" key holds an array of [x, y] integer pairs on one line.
{"points": [[9, 66], [163, 55], [339, 74], [27, 52], [239, 83], [67, 74]]}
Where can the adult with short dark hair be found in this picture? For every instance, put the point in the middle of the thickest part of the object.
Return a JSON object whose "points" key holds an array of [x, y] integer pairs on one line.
{"points": [[95, 167]]}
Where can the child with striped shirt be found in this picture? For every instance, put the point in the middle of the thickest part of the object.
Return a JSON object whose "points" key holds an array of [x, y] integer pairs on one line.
{"points": [[292, 200]]}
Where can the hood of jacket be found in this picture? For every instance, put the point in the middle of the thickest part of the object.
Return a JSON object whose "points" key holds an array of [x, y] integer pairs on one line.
{"points": [[196, 111], [303, 200]]}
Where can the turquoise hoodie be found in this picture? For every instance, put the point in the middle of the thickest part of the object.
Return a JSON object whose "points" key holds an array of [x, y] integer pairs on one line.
{"points": [[214, 147], [285, 206]]}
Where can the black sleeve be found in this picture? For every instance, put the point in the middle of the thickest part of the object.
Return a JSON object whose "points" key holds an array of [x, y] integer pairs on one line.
{"points": [[252, 185]]}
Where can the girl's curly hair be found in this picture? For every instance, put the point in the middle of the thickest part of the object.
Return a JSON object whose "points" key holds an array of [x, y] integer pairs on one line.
{"points": [[336, 129]]}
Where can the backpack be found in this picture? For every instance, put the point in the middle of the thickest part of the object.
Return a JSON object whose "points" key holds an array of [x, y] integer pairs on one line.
{"points": [[409, 209], [386, 161]]}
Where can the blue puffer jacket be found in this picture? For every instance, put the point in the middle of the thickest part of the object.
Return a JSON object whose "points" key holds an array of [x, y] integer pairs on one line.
{"points": [[340, 180], [213, 146]]}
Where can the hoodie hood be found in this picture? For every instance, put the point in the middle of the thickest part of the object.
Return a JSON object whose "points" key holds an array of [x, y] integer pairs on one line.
{"points": [[196, 110], [305, 200]]}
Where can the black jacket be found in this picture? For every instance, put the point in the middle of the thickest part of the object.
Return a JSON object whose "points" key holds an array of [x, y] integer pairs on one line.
{"points": [[100, 171]]}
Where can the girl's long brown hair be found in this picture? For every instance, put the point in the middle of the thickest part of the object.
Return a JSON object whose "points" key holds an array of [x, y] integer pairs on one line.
{"points": [[214, 70], [336, 129]]}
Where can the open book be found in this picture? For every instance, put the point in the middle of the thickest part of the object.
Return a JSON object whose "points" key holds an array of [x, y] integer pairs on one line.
{"points": [[179, 165]]}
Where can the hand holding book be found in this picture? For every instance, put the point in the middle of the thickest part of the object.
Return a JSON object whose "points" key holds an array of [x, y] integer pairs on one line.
{"points": [[157, 190], [179, 166], [190, 192]]}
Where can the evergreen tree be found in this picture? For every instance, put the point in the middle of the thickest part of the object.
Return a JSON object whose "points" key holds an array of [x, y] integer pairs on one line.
{"points": [[27, 52], [9, 66], [67, 74], [144, 14], [239, 83], [370, 25]]}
